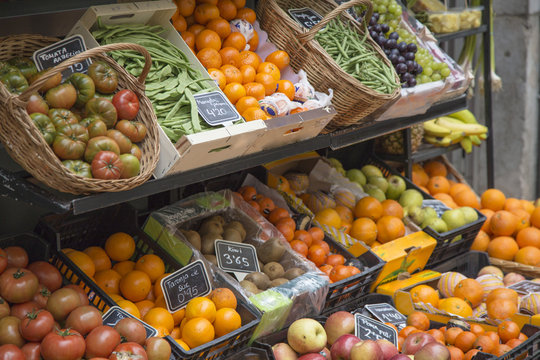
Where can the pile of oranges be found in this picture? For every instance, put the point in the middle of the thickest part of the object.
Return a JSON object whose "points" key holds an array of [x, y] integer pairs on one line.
{"points": [[135, 286], [464, 344], [229, 57], [309, 243]]}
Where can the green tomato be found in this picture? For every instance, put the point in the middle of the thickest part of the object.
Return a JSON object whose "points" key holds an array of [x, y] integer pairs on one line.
{"points": [[14, 81], [103, 108], [79, 167], [84, 86], [131, 166], [45, 126], [25, 65], [104, 76], [62, 117]]}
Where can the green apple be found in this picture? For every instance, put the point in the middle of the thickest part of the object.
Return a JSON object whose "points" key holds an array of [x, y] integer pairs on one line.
{"points": [[430, 212], [356, 176], [379, 182], [376, 193], [411, 197], [416, 213], [371, 170], [469, 213], [436, 224], [396, 185], [453, 218]]}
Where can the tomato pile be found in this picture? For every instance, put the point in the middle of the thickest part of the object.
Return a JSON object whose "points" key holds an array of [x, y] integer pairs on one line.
{"points": [[89, 125], [41, 318]]}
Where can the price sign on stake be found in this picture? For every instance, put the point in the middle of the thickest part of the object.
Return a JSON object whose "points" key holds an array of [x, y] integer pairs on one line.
{"points": [[215, 109], [185, 284], [387, 313], [367, 328], [54, 54], [525, 287], [116, 313], [305, 16], [236, 257]]}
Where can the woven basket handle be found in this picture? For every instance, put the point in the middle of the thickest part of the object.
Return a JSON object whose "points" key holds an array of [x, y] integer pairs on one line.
{"points": [[332, 14], [88, 54]]}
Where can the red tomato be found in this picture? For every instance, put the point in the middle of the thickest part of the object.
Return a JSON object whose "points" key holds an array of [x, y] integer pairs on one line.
{"points": [[158, 348], [36, 104], [134, 130], [11, 352], [4, 308], [18, 285], [41, 296], [82, 295], [62, 302], [36, 325], [21, 310], [64, 344], [84, 319], [132, 330], [47, 274], [129, 350], [9, 331], [126, 104], [106, 165], [16, 256], [32, 351], [101, 341]]}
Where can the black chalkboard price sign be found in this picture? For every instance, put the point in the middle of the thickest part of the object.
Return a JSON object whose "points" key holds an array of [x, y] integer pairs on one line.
{"points": [[54, 54], [185, 284], [116, 313], [526, 287], [215, 109], [367, 328], [387, 313], [305, 16], [236, 257]]}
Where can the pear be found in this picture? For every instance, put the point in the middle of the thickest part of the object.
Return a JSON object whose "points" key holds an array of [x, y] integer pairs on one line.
{"points": [[453, 218], [436, 224], [469, 213], [356, 176], [379, 182], [429, 212], [411, 197], [371, 170], [416, 213], [376, 193]]}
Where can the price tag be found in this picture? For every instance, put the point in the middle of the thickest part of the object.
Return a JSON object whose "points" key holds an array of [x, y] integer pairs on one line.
{"points": [[525, 287], [350, 10], [215, 109], [367, 328], [185, 284], [116, 313], [305, 16], [387, 313], [238, 258], [56, 53]]}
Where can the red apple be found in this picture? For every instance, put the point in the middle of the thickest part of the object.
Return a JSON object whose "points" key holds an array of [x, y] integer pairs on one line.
{"points": [[312, 356], [387, 348], [326, 353], [341, 349], [306, 336], [512, 278], [337, 324], [283, 351], [415, 342], [400, 357], [433, 351], [366, 350]]}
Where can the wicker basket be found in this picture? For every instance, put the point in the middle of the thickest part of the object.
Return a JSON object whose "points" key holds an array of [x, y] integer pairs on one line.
{"points": [[511, 266], [24, 142], [353, 100]]}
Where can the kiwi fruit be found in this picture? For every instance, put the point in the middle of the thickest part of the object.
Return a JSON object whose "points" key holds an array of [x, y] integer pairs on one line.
{"points": [[208, 246], [211, 258], [293, 273], [238, 226], [278, 282], [271, 250], [274, 270], [193, 238], [261, 280], [231, 234], [211, 227], [249, 286]]}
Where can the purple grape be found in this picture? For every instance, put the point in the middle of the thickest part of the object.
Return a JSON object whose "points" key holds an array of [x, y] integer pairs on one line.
{"points": [[381, 40], [395, 51], [401, 68], [374, 34], [401, 60], [391, 44], [410, 65], [387, 52], [409, 55], [412, 47], [394, 35], [377, 28], [407, 76], [372, 21], [411, 82], [402, 47], [376, 16], [404, 85], [419, 69], [385, 28], [393, 59]]}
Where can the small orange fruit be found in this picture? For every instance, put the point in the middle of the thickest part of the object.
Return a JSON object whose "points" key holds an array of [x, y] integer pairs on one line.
{"points": [[189, 38], [99, 257], [220, 26], [438, 184], [234, 91], [528, 255], [419, 320], [208, 39], [467, 198], [286, 87], [335, 259], [535, 217], [512, 203], [340, 272], [280, 58], [471, 291], [83, 261], [239, 3], [236, 40], [456, 306], [248, 73], [186, 7], [254, 41], [255, 89], [152, 265], [304, 236], [201, 307], [254, 113], [493, 199], [108, 280], [227, 320], [120, 246], [426, 294], [205, 12], [197, 331], [457, 188], [123, 267], [268, 81], [368, 207], [223, 298], [130, 307], [455, 353], [328, 217], [481, 241], [451, 334], [484, 343], [246, 14], [248, 57], [218, 76], [144, 306], [269, 68], [392, 208], [503, 247], [389, 228], [477, 329], [246, 102], [465, 341], [317, 254], [135, 285], [316, 233], [508, 330], [229, 56], [227, 9], [435, 168], [528, 237], [232, 74], [345, 213], [159, 316], [195, 29], [503, 223], [501, 309], [179, 23], [300, 247], [209, 58]]}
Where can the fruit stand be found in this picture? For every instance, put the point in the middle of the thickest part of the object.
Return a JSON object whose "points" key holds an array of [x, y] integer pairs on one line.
{"points": [[264, 179]]}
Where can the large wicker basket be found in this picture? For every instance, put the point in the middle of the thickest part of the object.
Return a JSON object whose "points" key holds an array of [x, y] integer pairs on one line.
{"points": [[24, 142], [353, 100]]}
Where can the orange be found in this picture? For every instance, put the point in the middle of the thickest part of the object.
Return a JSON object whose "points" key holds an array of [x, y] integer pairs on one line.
{"points": [[246, 102], [152, 265], [513, 342], [248, 57], [208, 39], [99, 257], [467, 198], [528, 255], [286, 87], [223, 298], [535, 217], [116, 297], [300, 247], [246, 14], [130, 307], [426, 294], [335, 259], [456, 306], [135, 285], [220, 26], [234, 91], [419, 320], [527, 205], [227, 9], [248, 74], [340, 272], [451, 334], [493, 199], [470, 354], [201, 307], [484, 343], [368, 207], [120, 246], [254, 113], [268, 81], [269, 68], [123, 267], [494, 336], [205, 12], [512, 203], [392, 208], [209, 58], [179, 23], [161, 331], [477, 329], [471, 291], [227, 320], [316, 233], [230, 56], [83, 261], [218, 76], [195, 29], [522, 219], [508, 330], [501, 309], [190, 20], [280, 58], [345, 213], [255, 89], [278, 213], [328, 217], [108, 280], [239, 3], [503, 223], [157, 290], [254, 41], [389, 228], [503, 247], [235, 40], [486, 226], [287, 222], [420, 177], [176, 334], [465, 341], [502, 294], [438, 184], [304, 236], [186, 7], [437, 334], [159, 316], [528, 237], [446, 199], [178, 316], [501, 349], [458, 187], [481, 241], [317, 254], [144, 306], [232, 74], [197, 331], [435, 168], [189, 38], [324, 245], [406, 331], [160, 302], [455, 353]]}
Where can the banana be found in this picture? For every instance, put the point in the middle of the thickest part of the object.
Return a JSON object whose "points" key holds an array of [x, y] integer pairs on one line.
{"points": [[466, 144], [456, 136], [483, 136], [437, 141], [457, 125], [433, 129], [465, 116], [475, 140]]}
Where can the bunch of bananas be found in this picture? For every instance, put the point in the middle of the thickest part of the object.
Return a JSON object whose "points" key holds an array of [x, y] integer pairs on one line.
{"points": [[460, 127]]}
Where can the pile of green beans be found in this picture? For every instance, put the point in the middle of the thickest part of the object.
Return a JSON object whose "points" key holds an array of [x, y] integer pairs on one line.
{"points": [[172, 81], [356, 56]]}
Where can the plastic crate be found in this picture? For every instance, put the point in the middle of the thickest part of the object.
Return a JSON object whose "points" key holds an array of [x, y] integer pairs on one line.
{"points": [[92, 229], [446, 247], [257, 351]]}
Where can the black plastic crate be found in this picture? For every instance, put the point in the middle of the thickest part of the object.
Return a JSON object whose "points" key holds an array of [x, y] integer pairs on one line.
{"points": [[92, 229], [257, 351]]}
